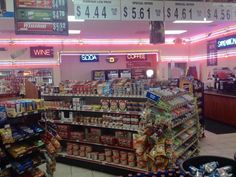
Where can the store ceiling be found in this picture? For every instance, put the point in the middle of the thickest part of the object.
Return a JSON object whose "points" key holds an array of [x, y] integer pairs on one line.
{"points": [[119, 29]]}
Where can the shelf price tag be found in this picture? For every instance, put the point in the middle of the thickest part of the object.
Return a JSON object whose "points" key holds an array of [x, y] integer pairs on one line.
{"points": [[97, 9], [142, 10], [186, 10], [220, 11]]}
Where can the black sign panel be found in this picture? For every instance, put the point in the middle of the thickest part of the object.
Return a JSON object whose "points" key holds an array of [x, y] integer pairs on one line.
{"points": [[41, 17]]}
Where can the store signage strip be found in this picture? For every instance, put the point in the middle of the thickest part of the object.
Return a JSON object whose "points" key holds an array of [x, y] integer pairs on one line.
{"points": [[226, 42], [152, 10]]}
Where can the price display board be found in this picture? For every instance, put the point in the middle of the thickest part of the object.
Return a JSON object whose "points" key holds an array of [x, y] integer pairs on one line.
{"points": [[41, 17], [142, 10], [220, 11], [187, 10], [97, 9]]}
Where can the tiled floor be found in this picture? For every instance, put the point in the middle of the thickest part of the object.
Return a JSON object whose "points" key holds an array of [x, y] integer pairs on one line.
{"points": [[221, 145]]}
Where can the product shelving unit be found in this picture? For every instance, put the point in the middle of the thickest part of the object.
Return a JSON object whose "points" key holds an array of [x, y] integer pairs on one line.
{"points": [[24, 142], [30, 153], [187, 148], [95, 164]]}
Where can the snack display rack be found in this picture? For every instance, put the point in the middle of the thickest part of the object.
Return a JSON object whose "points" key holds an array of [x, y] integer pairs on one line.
{"points": [[102, 131], [169, 129], [23, 143]]}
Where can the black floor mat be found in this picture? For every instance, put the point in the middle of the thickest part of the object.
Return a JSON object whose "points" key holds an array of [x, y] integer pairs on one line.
{"points": [[218, 127]]}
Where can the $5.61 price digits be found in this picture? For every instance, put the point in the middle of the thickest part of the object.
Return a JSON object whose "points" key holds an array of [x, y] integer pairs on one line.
{"points": [[181, 14], [137, 13], [218, 14], [91, 12]]}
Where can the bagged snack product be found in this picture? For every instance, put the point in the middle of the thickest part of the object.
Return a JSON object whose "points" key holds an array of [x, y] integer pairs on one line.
{"points": [[114, 105], [105, 104], [122, 105]]}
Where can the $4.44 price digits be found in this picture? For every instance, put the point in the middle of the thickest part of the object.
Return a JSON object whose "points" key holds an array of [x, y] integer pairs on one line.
{"points": [[137, 13], [91, 12]]}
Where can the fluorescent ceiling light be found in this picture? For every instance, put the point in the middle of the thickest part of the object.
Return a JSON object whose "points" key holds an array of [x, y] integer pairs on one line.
{"points": [[175, 31], [72, 19], [74, 31], [190, 21]]}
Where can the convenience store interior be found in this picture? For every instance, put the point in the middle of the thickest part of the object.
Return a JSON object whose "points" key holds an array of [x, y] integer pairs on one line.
{"points": [[185, 47]]}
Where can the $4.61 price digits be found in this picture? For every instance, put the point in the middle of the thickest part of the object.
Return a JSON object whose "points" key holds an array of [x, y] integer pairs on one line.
{"points": [[91, 12], [137, 13], [181, 14], [218, 14]]}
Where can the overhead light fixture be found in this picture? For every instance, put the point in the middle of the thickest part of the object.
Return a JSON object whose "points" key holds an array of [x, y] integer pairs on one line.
{"points": [[190, 21], [74, 31], [175, 31], [72, 19]]}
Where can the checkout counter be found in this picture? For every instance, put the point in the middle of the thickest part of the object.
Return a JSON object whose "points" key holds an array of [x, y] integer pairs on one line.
{"points": [[220, 102], [220, 107]]}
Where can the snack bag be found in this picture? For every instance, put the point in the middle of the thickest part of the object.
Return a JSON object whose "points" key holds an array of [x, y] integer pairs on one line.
{"points": [[114, 105]]}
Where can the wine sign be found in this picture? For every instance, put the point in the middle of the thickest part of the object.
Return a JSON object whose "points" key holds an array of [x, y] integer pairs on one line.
{"points": [[41, 52]]}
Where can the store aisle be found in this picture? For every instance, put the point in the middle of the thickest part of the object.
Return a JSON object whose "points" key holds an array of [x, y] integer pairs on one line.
{"points": [[218, 144], [213, 144]]}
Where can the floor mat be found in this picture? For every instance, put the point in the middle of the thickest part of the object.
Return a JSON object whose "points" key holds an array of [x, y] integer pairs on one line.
{"points": [[218, 127]]}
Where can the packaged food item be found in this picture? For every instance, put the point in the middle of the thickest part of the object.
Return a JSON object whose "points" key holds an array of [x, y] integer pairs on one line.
{"points": [[116, 159], [122, 105], [105, 104], [6, 135], [108, 158], [101, 156], [108, 152], [114, 105]]}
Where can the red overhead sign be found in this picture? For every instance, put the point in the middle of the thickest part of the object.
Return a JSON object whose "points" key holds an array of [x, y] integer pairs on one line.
{"points": [[41, 52]]}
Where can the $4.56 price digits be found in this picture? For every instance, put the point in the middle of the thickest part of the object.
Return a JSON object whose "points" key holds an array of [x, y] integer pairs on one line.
{"points": [[181, 14], [137, 13], [218, 14], [91, 12]]}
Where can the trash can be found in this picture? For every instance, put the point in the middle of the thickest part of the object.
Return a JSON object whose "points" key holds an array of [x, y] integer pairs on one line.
{"points": [[200, 160]]}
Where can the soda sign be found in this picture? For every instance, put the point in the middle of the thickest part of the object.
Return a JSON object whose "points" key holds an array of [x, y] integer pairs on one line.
{"points": [[89, 58], [136, 57], [41, 52]]}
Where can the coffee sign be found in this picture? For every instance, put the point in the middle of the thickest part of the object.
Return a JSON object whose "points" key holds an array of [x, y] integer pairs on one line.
{"points": [[136, 57], [41, 52]]}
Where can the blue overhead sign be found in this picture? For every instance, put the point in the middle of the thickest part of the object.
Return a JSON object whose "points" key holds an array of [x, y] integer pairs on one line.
{"points": [[226, 42], [89, 58]]}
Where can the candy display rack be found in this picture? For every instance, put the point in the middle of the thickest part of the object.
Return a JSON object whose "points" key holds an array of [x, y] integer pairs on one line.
{"points": [[23, 147], [169, 129]]}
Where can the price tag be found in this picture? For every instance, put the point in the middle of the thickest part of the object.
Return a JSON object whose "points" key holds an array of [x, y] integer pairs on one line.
{"points": [[185, 10], [142, 10], [97, 9], [220, 11]]}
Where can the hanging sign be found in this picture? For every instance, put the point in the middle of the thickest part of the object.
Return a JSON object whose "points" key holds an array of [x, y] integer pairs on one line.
{"points": [[41, 52], [6, 8], [226, 42], [41, 17], [184, 10], [97, 9], [142, 10], [89, 58], [219, 11], [212, 59]]}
